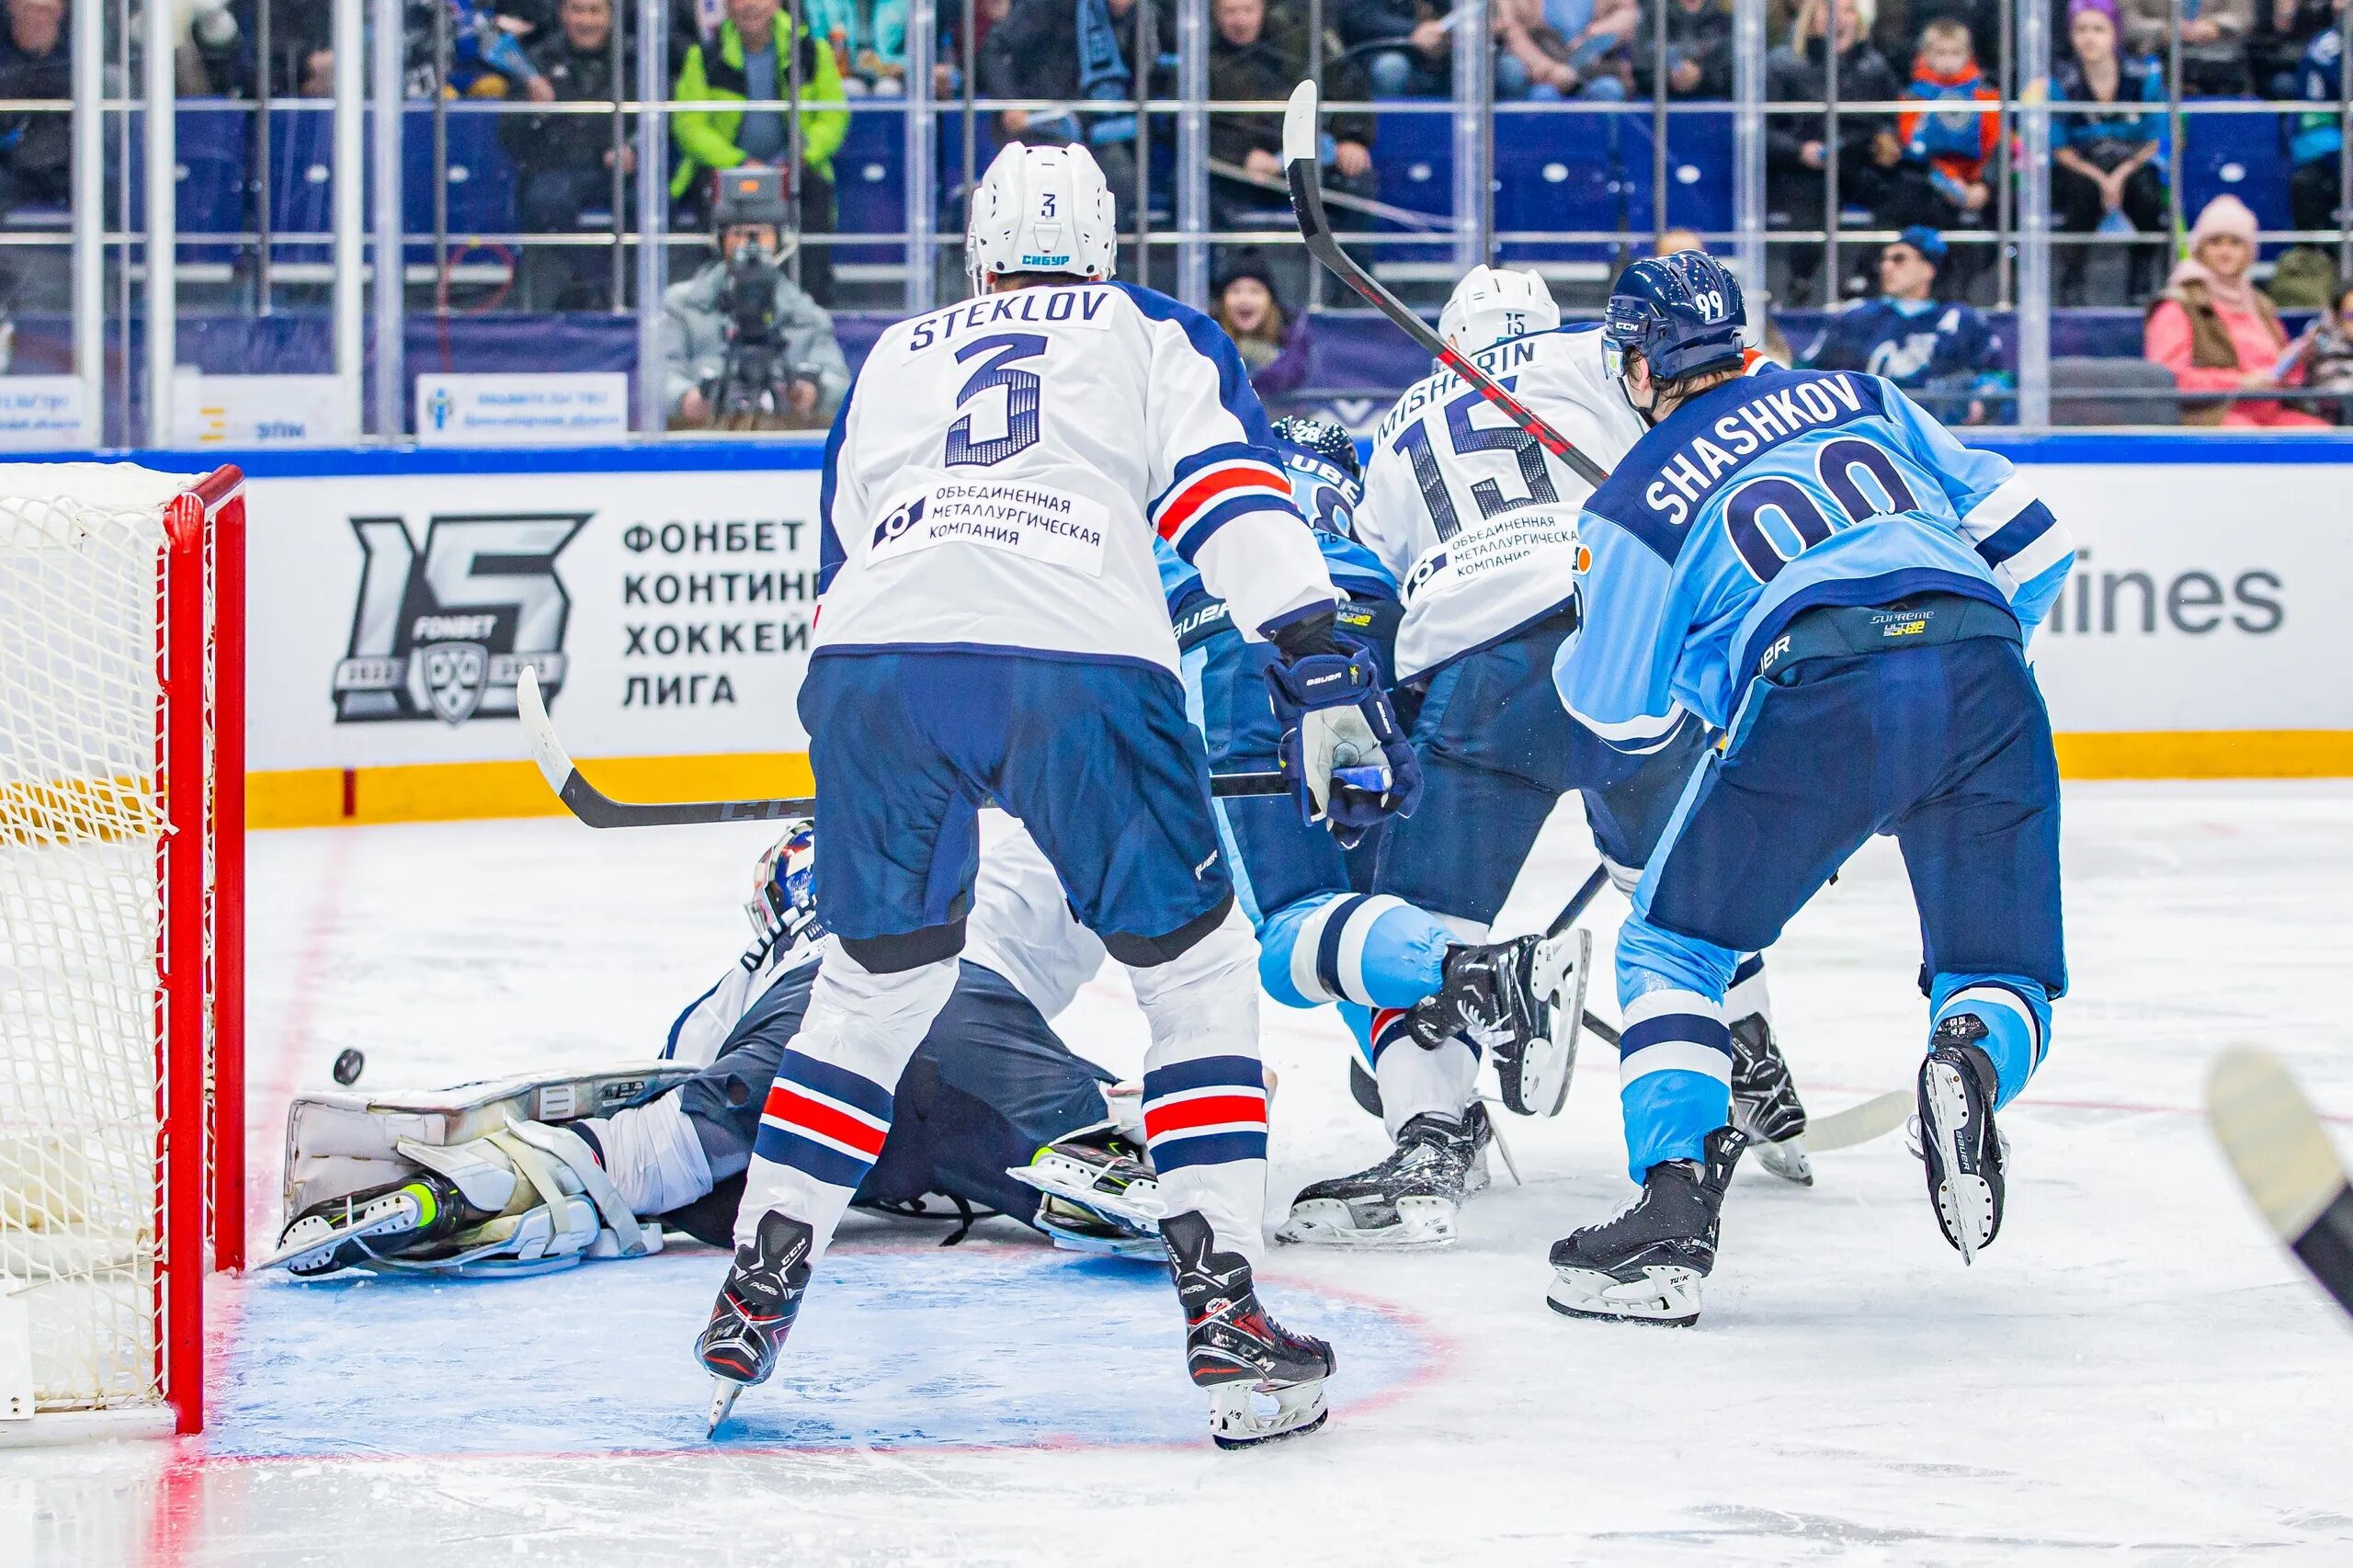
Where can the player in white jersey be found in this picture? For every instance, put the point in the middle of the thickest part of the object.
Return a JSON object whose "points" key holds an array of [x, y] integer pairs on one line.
{"points": [[993, 630], [1480, 529]]}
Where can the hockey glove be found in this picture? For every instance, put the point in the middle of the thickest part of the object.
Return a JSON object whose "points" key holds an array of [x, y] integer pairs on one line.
{"points": [[1347, 760]]}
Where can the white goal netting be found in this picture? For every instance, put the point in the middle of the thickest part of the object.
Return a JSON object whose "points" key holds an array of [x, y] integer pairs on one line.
{"points": [[81, 825]]}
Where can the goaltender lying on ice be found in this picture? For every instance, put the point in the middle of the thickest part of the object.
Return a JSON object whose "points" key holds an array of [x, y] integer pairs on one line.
{"points": [[528, 1174]]}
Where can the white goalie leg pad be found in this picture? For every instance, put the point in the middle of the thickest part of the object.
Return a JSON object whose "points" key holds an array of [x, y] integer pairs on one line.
{"points": [[653, 1156], [339, 1141], [552, 1203], [1204, 1086]]}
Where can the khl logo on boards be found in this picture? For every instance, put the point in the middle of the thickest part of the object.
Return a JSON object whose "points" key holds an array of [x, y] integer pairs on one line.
{"points": [[446, 632]]}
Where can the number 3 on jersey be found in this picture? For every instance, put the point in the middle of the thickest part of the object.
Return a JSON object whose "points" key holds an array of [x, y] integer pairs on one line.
{"points": [[997, 354]]}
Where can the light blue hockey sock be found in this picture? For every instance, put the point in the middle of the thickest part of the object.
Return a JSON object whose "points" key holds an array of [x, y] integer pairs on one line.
{"points": [[2016, 1015], [1368, 948]]}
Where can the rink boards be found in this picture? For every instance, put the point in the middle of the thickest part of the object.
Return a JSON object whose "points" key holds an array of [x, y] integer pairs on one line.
{"points": [[665, 596]]}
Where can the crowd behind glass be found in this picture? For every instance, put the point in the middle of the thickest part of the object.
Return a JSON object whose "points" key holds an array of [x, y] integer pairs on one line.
{"points": [[1911, 162]]}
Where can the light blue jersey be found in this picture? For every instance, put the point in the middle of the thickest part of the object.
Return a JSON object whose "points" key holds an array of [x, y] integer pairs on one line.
{"points": [[1356, 572], [1766, 497]]}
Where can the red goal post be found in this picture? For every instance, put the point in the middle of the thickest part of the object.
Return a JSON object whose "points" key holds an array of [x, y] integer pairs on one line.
{"points": [[122, 937]]}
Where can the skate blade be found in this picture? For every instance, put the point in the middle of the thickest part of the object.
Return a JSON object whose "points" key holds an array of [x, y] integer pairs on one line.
{"points": [[1964, 1203], [1787, 1160], [1538, 1084], [319, 1237], [1243, 1416], [1141, 1205], [1328, 1223], [723, 1400], [1663, 1295]]}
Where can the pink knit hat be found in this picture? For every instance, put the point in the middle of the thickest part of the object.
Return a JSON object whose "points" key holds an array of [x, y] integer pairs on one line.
{"points": [[2225, 214]]}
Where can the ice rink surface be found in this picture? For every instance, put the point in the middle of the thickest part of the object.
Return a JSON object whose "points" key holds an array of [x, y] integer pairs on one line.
{"points": [[2135, 1373]]}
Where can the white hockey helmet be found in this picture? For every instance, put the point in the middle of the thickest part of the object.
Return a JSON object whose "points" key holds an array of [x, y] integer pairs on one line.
{"points": [[1042, 209], [1493, 304]]}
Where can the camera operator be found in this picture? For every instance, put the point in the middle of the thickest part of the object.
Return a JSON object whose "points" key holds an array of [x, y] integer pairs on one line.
{"points": [[745, 349]]}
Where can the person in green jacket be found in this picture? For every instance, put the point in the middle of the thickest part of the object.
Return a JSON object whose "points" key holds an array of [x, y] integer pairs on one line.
{"points": [[743, 66]]}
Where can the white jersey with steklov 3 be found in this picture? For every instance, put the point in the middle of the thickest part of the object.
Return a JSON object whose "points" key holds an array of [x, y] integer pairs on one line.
{"points": [[1476, 521], [995, 479]]}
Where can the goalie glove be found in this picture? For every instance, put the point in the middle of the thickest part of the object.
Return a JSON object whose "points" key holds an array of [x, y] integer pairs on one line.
{"points": [[1350, 763]]}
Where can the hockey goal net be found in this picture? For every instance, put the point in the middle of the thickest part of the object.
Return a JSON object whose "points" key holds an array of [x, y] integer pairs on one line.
{"points": [[121, 869]]}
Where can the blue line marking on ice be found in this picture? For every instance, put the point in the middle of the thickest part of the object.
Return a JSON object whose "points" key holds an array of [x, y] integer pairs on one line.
{"points": [[982, 1345]]}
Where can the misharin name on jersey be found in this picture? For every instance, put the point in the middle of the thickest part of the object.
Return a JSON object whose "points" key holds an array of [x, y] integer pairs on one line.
{"points": [[1773, 417], [1031, 305], [1501, 359]]}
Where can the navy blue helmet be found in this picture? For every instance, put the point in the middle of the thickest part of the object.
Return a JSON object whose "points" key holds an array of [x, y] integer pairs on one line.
{"points": [[1326, 479], [1682, 313]]}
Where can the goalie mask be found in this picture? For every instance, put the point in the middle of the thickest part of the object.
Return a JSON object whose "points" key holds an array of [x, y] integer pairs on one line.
{"points": [[783, 906]]}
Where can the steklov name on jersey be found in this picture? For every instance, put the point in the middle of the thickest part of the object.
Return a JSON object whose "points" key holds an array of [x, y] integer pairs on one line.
{"points": [[1003, 468]]}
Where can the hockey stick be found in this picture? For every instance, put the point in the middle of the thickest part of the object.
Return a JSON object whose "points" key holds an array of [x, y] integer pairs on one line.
{"points": [[1300, 165], [597, 809], [2286, 1162]]}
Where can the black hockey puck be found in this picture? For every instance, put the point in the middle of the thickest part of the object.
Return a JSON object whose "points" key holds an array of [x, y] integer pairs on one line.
{"points": [[348, 1065]]}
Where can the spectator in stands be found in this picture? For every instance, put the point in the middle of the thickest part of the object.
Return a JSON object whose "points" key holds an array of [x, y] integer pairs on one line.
{"points": [[563, 163], [1251, 311], [801, 375], [2314, 138], [2213, 41], [2328, 361], [949, 69], [2217, 333], [1079, 51], [2105, 177], [1253, 58], [745, 63], [1550, 50], [1420, 63], [869, 39], [1946, 355], [1797, 154], [1699, 51], [36, 146], [2283, 30], [1942, 182]]}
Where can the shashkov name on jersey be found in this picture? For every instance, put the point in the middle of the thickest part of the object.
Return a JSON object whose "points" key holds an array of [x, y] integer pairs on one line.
{"points": [[1763, 420]]}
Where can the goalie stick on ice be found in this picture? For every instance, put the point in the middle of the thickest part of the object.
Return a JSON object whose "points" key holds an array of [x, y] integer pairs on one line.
{"points": [[597, 809]]}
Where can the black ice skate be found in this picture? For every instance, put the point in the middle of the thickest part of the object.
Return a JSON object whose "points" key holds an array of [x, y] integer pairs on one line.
{"points": [[1236, 1350], [754, 1310], [1765, 1101], [417, 1212], [1645, 1265], [1409, 1199], [1959, 1142], [1503, 994]]}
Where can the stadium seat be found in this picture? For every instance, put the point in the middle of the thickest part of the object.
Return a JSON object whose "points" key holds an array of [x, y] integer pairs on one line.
{"points": [[2240, 153], [1562, 169], [2111, 391]]}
